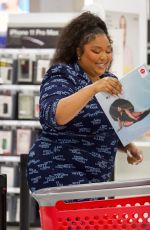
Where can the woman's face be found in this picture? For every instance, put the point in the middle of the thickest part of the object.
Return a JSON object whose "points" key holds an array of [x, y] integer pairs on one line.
{"points": [[97, 56]]}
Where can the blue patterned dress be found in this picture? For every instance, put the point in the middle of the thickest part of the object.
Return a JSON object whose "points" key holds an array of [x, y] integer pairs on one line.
{"points": [[82, 151]]}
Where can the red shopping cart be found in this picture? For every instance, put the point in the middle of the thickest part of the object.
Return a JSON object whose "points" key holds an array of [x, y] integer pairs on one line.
{"points": [[128, 207]]}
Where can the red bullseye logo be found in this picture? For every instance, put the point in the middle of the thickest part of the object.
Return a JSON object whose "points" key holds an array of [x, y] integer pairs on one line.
{"points": [[142, 71]]}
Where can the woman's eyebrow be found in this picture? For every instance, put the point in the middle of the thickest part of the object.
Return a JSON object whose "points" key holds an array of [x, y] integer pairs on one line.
{"points": [[99, 47]]}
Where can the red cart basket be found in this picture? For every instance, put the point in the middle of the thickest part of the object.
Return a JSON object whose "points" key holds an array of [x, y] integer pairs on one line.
{"points": [[126, 206]]}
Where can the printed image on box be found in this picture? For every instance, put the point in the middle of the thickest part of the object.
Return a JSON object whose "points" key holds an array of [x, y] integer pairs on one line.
{"points": [[129, 113]]}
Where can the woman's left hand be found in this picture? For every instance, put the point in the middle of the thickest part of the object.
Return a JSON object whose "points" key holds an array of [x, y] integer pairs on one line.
{"points": [[134, 154]]}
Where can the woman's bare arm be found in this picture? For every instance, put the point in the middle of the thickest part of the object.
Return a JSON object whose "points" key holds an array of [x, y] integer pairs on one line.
{"points": [[69, 107], [127, 111]]}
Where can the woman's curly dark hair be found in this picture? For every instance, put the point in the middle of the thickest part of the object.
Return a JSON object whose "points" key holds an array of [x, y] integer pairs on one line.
{"points": [[76, 34], [123, 104]]}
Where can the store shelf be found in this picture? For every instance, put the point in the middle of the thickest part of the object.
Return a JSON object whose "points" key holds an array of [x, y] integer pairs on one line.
{"points": [[20, 87], [13, 190], [16, 123], [142, 143], [27, 51], [9, 158]]}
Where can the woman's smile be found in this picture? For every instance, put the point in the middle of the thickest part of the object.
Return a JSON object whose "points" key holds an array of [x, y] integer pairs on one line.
{"points": [[102, 65]]}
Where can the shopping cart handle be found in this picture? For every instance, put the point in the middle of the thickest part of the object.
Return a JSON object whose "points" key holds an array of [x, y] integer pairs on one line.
{"points": [[49, 196]]}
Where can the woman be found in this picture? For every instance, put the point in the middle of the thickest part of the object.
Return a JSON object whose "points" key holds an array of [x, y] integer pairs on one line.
{"points": [[122, 110], [77, 145]]}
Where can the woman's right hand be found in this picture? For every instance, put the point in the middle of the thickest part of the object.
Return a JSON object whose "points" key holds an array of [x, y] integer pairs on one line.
{"points": [[108, 85]]}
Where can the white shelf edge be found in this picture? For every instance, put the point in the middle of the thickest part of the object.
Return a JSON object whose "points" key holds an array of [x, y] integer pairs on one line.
{"points": [[16, 123], [20, 87], [4, 158], [13, 190], [39, 51], [142, 143]]}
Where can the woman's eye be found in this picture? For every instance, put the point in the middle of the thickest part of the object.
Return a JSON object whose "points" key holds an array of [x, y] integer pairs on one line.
{"points": [[109, 51], [96, 52], [99, 52]]}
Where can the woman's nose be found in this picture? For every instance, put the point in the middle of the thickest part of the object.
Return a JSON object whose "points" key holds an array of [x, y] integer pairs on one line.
{"points": [[103, 56]]}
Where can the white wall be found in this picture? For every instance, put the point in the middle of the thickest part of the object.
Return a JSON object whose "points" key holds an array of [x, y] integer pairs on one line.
{"points": [[133, 6], [55, 5]]}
